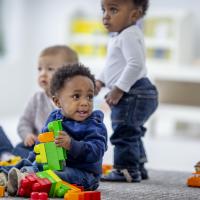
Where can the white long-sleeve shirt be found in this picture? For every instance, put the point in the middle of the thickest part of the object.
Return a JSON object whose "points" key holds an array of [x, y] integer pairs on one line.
{"points": [[125, 61]]}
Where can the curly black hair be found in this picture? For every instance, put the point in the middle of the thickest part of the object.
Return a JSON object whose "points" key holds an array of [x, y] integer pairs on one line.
{"points": [[65, 73], [144, 4]]}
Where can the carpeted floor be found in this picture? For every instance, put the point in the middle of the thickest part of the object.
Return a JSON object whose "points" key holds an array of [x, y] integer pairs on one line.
{"points": [[162, 185]]}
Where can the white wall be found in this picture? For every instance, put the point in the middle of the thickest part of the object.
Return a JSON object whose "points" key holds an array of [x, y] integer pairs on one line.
{"points": [[32, 25]]}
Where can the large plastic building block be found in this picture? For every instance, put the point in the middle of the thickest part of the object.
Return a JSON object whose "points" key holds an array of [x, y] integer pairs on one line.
{"points": [[41, 157], [72, 187], [106, 168], [39, 196], [32, 183], [58, 188], [2, 191], [13, 161], [44, 174], [54, 159], [73, 196], [55, 156], [92, 195], [46, 137], [194, 181], [55, 127], [87, 195]]}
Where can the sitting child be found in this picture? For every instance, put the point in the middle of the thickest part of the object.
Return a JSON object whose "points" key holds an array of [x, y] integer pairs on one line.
{"points": [[84, 134], [40, 104]]}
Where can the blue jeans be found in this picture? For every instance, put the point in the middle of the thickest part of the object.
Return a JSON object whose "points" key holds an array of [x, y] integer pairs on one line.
{"points": [[128, 118], [21, 150], [79, 177], [6, 146]]}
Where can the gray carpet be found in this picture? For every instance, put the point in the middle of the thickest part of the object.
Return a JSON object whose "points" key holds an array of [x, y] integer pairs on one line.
{"points": [[162, 185]]}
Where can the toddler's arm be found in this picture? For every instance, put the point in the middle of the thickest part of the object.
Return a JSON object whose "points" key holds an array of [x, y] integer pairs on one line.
{"points": [[113, 97], [99, 84], [30, 140], [26, 122]]}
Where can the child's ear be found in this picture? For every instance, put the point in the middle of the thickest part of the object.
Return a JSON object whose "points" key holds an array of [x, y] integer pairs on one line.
{"points": [[56, 101], [136, 14]]}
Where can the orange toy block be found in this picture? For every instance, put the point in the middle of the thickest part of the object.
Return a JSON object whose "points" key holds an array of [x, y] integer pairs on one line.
{"points": [[2, 191], [194, 181], [88, 195], [46, 137], [106, 168], [71, 195]]}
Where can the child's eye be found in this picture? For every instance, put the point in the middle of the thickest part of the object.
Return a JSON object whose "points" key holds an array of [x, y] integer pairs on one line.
{"points": [[76, 96], [50, 69], [103, 10], [39, 69], [90, 97], [113, 10]]}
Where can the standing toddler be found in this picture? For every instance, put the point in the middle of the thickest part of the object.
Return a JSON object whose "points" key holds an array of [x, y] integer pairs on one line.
{"points": [[132, 97]]}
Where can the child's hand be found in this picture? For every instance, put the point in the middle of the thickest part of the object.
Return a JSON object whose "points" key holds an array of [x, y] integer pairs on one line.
{"points": [[113, 97], [98, 87], [30, 140], [63, 140]]}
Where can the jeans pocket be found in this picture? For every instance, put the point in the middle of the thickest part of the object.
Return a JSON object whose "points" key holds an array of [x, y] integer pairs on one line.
{"points": [[145, 106], [119, 113]]}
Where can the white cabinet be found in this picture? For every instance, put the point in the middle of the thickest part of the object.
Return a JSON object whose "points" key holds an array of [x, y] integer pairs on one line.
{"points": [[169, 36]]}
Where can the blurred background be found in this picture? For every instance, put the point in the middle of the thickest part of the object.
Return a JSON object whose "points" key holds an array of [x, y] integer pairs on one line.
{"points": [[172, 36]]}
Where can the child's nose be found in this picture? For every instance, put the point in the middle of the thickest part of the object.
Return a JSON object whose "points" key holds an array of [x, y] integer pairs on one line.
{"points": [[106, 15], [84, 102], [42, 73]]}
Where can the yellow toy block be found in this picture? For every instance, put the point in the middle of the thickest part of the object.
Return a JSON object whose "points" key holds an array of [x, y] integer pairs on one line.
{"points": [[46, 137], [40, 150], [72, 187], [53, 175], [2, 191], [57, 179], [13, 161]]}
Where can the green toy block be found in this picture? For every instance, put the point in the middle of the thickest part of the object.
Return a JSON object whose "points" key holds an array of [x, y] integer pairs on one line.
{"points": [[53, 160], [61, 188], [55, 127], [44, 174]]}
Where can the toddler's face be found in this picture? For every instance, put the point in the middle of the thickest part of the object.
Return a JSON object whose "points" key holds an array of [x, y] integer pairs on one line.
{"points": [[76, 98], [118, 14], [46, 67]]}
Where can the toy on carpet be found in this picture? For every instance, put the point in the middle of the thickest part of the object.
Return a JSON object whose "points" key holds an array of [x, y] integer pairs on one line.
{"points": [[47, 182], [194, 181]]}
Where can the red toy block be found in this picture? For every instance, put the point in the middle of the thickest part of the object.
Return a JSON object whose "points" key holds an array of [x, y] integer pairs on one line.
{"points": [[92, 195], [42, 185], [32, 183], [39, 196]]}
